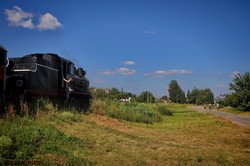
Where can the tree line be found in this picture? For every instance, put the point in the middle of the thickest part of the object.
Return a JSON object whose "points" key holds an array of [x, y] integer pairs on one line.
{"points": [[196, 96], [238, 98], [115, 94], [176, 95]]}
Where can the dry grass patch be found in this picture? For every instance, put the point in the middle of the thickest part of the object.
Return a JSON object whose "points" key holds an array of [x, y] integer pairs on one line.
{"points": [[187, 138]]}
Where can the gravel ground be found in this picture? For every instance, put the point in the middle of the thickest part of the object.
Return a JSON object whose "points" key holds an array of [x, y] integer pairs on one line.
{"points": [[238, 119]]}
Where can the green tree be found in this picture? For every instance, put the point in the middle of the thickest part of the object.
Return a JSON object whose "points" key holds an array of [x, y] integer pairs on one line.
{"points": [[198, 96], [176, 94], [193, 96], [241, 96], [115, 94], [229, 100], [146, 97], [98, 93], [205, 96]]}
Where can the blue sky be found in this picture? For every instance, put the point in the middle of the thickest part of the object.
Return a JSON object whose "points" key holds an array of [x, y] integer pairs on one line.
{"points": [[137, 45]]}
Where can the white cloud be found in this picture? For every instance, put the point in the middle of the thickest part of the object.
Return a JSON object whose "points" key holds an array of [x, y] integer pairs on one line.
{"points": [[48, 22], [129, 63], [173, 71], [233, 74], [18, 17], [107, 72], [161, 73], [150, 32], [125, 71]]}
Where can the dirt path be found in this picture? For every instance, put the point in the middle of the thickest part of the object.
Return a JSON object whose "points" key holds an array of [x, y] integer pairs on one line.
{"points": [[238, 119]]}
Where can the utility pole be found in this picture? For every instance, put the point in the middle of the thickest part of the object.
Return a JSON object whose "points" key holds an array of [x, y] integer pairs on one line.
{"points": [[122, 92]]}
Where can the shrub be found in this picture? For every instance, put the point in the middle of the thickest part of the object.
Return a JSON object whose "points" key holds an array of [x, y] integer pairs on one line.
{"points": [[164, 110], [100, 107], [135, 113]]}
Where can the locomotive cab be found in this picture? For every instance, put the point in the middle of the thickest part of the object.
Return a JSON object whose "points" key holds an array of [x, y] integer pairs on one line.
{"points": [[80, 83]]}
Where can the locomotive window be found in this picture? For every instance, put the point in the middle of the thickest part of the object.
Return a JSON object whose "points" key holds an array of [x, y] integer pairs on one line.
{"points": [[71, 68], [25, 67]]}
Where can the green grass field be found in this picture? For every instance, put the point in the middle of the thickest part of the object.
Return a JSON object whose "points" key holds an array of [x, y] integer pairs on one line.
{"points": [[64, 138], [233, 110]]}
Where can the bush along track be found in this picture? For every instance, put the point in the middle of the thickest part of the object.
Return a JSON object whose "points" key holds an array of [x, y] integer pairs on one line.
{"points": [[134, 112]]}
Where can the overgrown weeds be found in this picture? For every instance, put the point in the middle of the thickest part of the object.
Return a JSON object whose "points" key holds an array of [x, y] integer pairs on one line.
{"points": [[29, 133], [25, 139], [134, 112], [62, 137], [101, 107], [39, 107], [30, 109], [164, 110]]}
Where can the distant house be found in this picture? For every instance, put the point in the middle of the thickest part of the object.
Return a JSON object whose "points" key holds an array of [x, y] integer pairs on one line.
{"points": [[107, 91], [165, 99]]}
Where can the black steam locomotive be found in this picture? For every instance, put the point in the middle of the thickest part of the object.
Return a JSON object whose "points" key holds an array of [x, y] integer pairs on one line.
{"points": [[43, 75]]}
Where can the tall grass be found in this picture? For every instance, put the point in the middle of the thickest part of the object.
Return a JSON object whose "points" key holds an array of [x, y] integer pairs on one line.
{"points": [[30, 134], [30, 109], [134, 112], [61, 137], [126, 111], [164, 110], [101, 107], [40, 106], [23, 139]]}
